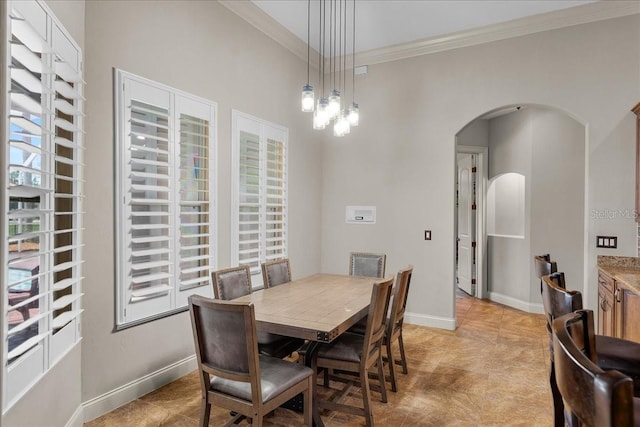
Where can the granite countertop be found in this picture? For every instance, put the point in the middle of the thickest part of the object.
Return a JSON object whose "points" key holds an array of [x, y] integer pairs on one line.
{"points": [[625, 270]]}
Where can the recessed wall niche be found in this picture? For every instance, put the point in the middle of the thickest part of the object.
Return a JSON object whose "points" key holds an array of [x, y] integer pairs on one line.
{"points": [[505, 206]]}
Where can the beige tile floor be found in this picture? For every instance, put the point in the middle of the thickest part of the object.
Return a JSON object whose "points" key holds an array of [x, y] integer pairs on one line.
{"points": [[491, 371]]}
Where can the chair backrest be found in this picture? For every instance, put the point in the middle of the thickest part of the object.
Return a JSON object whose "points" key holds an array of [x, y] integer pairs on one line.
{"points": [[556, 300], [400, 292], [596, 397], [275, 273], [225, 340], [367, 264], [544, 266], [376, 321], [232, 282]]}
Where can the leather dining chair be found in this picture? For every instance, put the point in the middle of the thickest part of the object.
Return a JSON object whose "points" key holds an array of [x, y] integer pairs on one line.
{"points": [[367, 264], [613, 353], [232, 373], [594, 396], [276, 272], [394, 322], [234, 282], [355, 354]]}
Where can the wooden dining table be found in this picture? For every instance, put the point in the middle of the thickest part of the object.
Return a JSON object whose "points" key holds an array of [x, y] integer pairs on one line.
{"points": [[317, 308]]}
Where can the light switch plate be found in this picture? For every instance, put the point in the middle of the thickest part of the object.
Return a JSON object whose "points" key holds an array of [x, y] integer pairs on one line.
{"points": [[427, 234], [608, 242]]}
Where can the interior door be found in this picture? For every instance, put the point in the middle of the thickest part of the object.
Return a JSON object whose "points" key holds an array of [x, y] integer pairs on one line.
{"points": [[465, 223]]}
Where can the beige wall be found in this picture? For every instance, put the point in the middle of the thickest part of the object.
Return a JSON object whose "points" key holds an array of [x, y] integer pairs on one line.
{"points": [[201, 48], [401, 158]]}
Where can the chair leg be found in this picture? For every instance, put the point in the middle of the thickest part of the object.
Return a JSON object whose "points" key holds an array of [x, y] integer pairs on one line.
{"points": [[403, 358], [558, 404], [392, 369], [205, 411], [381, 380], [308, 402], [366, 395]]}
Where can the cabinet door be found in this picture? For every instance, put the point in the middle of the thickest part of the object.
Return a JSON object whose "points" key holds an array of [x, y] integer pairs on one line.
{"points": [[606, 313], [628, 322]]}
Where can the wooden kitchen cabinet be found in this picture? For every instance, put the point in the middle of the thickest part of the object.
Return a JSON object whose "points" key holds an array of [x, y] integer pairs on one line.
{"points": [[606, 312], [627, 314]]}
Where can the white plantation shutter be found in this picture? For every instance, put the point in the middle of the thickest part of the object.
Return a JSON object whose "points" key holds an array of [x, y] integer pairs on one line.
{"points": [[43, 196], [165, 221], [260, 192]]}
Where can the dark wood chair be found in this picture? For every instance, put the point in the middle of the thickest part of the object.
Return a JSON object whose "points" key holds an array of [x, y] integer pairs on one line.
{"points": [[394, 324], [275, 273], [356, 354], [234, 282], [543, 266], [613, 353], [594, 396], [367, 264], [232, 373]]}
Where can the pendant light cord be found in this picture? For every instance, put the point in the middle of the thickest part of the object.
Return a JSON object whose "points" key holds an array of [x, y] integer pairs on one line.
{"points": [[308, 38], [353, 53]]}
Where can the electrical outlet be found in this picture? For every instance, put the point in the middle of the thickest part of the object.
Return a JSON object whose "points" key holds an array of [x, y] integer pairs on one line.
{"points": [[427, 234], [609, 242]]}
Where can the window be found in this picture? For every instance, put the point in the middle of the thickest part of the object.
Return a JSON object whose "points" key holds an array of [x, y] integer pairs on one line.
{"points": [[43, 197], [259, 218], [166, 241]]}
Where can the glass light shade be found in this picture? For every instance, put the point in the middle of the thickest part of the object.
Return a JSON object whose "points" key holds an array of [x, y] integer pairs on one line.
{"points": [[321, 115], [354, 114], [308, 100], [341, 126], [334, 104]]}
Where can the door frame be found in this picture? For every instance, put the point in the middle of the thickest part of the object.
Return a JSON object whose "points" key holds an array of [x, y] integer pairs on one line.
{"points": [[482, 169]]}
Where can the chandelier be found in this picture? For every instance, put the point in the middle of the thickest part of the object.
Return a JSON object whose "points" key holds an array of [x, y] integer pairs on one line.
{"points": [[329, 110]]}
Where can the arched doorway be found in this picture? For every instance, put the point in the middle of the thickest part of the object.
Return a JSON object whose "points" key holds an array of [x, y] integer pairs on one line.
{"points": [[547, 148]]}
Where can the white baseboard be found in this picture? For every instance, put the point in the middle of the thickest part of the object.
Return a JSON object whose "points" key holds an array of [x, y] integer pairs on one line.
{"points": [[76, 419], [430, 321], [516, 303], [113, 399]]}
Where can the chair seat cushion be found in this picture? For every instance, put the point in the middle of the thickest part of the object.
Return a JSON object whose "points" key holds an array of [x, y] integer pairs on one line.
{"points": [[276, 376], [360, 327], [347, 347], [277, 345], [621, 355], [636, 412]]}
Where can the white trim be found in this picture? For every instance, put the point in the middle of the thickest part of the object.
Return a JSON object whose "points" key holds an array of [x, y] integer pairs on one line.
{"points": [[124, 394], [76, 419], [516, 303], [447, 323], [583, 14]]}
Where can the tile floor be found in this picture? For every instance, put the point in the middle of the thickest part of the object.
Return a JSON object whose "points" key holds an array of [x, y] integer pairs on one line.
{"points": [[491, 371]]}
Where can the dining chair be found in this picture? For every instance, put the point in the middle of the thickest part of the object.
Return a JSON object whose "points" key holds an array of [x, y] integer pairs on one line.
{"points": [[613, 353], [276, 272], [367, 264], [232, 373], [234, 282], [593, 396], [355, 354], [18, 299], [394, 322]]}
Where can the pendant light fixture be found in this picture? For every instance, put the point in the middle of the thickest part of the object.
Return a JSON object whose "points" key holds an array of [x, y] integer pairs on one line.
{"points": [[308, 96], [328, 109]]}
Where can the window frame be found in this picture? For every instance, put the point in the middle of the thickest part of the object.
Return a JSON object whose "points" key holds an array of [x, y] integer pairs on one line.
{"points": [[50, 61], [176, 298], [265, 130]]}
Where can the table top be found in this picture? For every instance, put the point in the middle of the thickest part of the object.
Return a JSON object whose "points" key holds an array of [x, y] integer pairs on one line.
{"points": [[316, 308]]}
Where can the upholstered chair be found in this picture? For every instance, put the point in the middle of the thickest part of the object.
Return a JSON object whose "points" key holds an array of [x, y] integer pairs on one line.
{"points": [[232, 373], [367, 264], [356, 354], [275, 273]]}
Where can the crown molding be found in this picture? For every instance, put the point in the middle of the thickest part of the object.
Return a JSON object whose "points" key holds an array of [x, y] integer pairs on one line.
{"points": [[590, 12], [272, 28]]}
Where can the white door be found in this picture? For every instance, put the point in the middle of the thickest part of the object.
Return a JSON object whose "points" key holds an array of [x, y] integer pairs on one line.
{"points": [[465, 223]]}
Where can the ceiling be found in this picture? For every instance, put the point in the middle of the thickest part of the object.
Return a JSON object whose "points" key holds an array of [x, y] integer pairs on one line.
{"points": [[384, 23]]}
